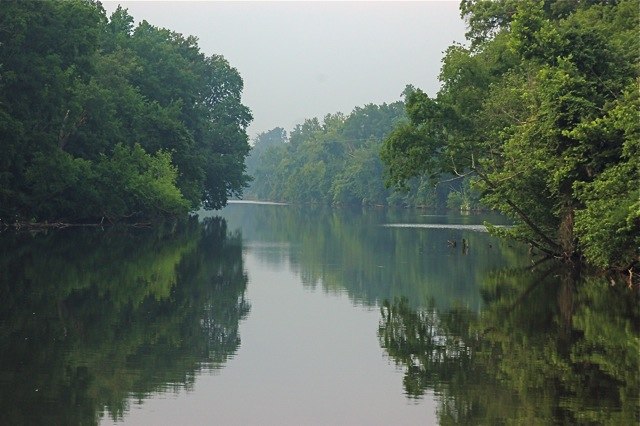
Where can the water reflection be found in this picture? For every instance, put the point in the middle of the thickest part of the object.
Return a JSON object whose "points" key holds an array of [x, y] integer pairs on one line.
{"points": [[90, 318], [547, 348], [355, 252]]}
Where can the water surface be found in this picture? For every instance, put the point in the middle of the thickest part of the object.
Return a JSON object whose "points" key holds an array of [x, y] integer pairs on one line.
{"points": [[274, 314]]}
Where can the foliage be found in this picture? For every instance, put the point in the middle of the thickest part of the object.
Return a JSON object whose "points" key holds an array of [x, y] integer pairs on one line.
{"points": [[609, 224], [82, 94], [541, 112], [330, 161], [264, 141], [337, 161]]}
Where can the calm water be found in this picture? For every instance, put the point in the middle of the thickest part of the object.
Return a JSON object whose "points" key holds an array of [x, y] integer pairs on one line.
{"points": [[277, 315]]}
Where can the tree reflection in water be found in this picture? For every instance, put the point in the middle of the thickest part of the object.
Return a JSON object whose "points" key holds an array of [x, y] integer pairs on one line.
{"points": [[548, 348], [91, 318]]}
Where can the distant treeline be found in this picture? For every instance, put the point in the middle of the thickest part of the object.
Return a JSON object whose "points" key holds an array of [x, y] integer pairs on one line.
{"points": [[103, 120], [337, 161]]}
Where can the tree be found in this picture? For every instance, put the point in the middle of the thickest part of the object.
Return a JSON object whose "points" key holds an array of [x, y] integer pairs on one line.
{"points": [[265, 140], [47, 52], [330, 161], [533, 110], [82, 95]]}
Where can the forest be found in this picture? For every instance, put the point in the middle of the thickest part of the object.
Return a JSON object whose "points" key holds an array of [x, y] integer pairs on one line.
{"points": [[541, 110], [104, 121], [537, 118], [337, 161]]}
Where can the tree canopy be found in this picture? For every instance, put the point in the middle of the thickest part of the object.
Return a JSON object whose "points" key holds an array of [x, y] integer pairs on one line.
{"points": [[103, 119], [541, 108], [337, 161], [333, 160]]}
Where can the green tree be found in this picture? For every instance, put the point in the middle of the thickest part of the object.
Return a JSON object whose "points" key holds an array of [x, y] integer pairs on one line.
{"points": [[330, 161], [538, 111], [79, 90], [47, 52]]}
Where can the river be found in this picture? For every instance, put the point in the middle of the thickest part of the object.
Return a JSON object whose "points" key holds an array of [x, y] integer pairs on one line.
{"points": [[266, 314]]}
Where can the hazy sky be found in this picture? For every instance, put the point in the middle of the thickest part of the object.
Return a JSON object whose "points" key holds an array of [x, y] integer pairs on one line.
{"points": [[306, 59]]}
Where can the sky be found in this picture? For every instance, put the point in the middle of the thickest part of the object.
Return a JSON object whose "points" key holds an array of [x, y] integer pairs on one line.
{"points": [[303, 59]]}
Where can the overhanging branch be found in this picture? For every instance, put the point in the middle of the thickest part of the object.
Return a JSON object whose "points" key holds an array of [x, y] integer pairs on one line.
{"points": [[524, 217]]}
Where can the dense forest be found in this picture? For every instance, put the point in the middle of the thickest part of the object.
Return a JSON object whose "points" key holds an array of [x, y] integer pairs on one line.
{"points": [[537, 117], [540, 108], [337, 161], [104, 120]]}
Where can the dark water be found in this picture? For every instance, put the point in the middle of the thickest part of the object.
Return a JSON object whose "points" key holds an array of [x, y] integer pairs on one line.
{"points": [[276, 315]]}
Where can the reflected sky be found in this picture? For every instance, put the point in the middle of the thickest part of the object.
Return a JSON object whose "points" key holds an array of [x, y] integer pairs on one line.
{"points": [[310, 352], [295, 295], [306, 358]]}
